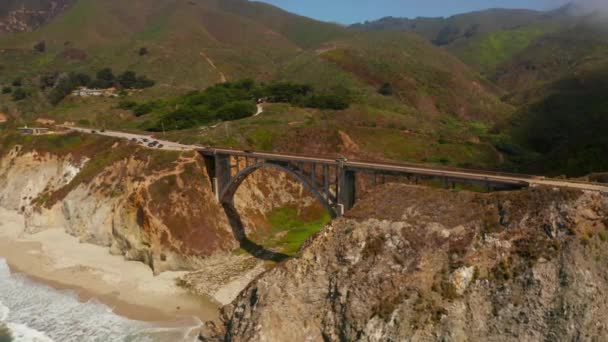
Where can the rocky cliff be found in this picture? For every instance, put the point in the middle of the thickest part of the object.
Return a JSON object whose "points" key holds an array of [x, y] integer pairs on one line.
{"points": [[414, 264], [28, 15], [156, 207]]}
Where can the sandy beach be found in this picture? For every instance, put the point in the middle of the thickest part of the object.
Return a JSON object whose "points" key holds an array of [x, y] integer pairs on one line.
{"points": [[129, 288]]}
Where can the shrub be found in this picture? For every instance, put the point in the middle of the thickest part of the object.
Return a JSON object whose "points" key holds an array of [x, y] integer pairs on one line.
{"points": [[145, 108], [286, 91], [128, 79], [335, 102], [106, 74], [182, 118], [386, 89], [40, 46], [125, 104], [143, 82], [236, 110], [81, 79], [48, 80], [7, 90], [19, 94], [18, 82], [66, 85]]}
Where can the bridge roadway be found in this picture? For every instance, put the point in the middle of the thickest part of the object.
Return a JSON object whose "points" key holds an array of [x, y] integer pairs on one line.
{"points": [[515, 180]]}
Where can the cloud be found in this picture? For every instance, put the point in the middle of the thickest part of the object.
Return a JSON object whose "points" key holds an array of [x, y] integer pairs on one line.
{"points": [[587, 6]]}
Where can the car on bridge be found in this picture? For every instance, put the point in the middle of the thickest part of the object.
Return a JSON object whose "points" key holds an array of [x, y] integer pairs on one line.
{"points": [[341, 159]]}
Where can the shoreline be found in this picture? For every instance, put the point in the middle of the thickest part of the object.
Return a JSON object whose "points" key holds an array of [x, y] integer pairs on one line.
{"points": [[129, 288]]}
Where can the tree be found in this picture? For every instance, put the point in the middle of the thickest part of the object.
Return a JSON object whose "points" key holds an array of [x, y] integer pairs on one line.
{"points": [[127, 80], [330, 101], [105, 79], [17, 82], [105, 74], [40, 46], [7, 90], [287, 92], [61, 90], [143, 51], [66, 84], [19, 94], [386, 89], [48, 80], [236, 110], [81, 79]]}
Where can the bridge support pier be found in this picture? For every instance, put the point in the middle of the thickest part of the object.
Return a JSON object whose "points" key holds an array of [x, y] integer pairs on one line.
{"points": [[347, 190], [219, 170]]}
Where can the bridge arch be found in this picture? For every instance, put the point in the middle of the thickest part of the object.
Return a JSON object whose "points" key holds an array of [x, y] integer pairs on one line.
{"points": [[226, 195]]}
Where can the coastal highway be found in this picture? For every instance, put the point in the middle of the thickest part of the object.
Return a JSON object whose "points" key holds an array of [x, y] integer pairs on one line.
{"points": [[408, 168]]}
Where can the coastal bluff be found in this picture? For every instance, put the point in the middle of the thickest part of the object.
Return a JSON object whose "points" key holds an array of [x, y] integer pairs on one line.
{"points": [[418, 264], [155, 207]]}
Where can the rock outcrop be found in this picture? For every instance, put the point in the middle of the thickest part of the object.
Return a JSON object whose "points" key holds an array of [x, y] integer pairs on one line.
{"points": [[156, 207], [25, 16], [415, 264]]}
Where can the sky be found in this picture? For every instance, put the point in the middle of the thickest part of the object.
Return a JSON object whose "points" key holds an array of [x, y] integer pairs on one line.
{"points": [[353, 11]]}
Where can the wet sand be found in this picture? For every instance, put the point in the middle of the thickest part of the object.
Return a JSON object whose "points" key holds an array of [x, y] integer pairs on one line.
{"points": [[59, 260]]}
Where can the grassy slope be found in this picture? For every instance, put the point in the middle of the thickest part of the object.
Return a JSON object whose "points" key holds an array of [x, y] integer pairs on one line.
{"points": [[551, 67], [488, 51], [291, 227], [433, 89]]}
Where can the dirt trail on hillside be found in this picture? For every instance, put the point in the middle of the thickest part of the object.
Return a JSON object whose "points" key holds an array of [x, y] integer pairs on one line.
{"points": [[210, 61]]}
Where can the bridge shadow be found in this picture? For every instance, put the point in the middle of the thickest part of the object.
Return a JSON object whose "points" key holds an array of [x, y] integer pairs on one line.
{"points": [[238, 230]]}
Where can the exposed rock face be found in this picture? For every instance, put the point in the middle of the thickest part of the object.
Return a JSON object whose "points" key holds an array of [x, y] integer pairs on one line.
{"points": [[28, 15], [163, 215], [413, 264], [150, 206]]}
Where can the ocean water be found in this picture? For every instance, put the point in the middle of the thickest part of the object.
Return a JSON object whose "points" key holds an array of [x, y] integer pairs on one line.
{"points": [[33, 312]]}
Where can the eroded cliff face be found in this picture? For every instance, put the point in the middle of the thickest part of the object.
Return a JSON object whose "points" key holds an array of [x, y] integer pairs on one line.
{"points": [[156, 207], [414, 264], [28, 15]]}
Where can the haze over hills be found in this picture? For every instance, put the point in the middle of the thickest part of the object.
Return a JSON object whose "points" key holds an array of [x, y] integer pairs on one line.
{"points": [[462, 97], [537, 58]]}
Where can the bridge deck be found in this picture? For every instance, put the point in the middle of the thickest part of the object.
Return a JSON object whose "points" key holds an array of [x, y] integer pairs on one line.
{"points": [[517, 180], [476, 176]]}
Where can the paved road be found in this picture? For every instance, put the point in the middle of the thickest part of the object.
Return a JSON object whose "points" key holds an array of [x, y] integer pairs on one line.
{"points": [[483, 176], [167, 145]]}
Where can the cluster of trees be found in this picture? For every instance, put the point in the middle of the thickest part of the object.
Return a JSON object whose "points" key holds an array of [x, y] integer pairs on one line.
{"points": [[224, 102], [303, 95], [18, 93], [127, 80], [63, 84], [232, 101]]}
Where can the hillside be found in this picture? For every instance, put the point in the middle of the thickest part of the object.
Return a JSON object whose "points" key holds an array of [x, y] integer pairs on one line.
{"points": [[485, 39], [548, 64], [28, 15], [438, 109]]}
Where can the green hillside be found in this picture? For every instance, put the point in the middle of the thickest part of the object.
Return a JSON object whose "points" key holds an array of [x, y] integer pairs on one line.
{"points": [[409, 99]]}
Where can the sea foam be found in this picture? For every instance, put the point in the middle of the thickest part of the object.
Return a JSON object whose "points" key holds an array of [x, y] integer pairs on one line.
{"points": [[37, 313]]}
